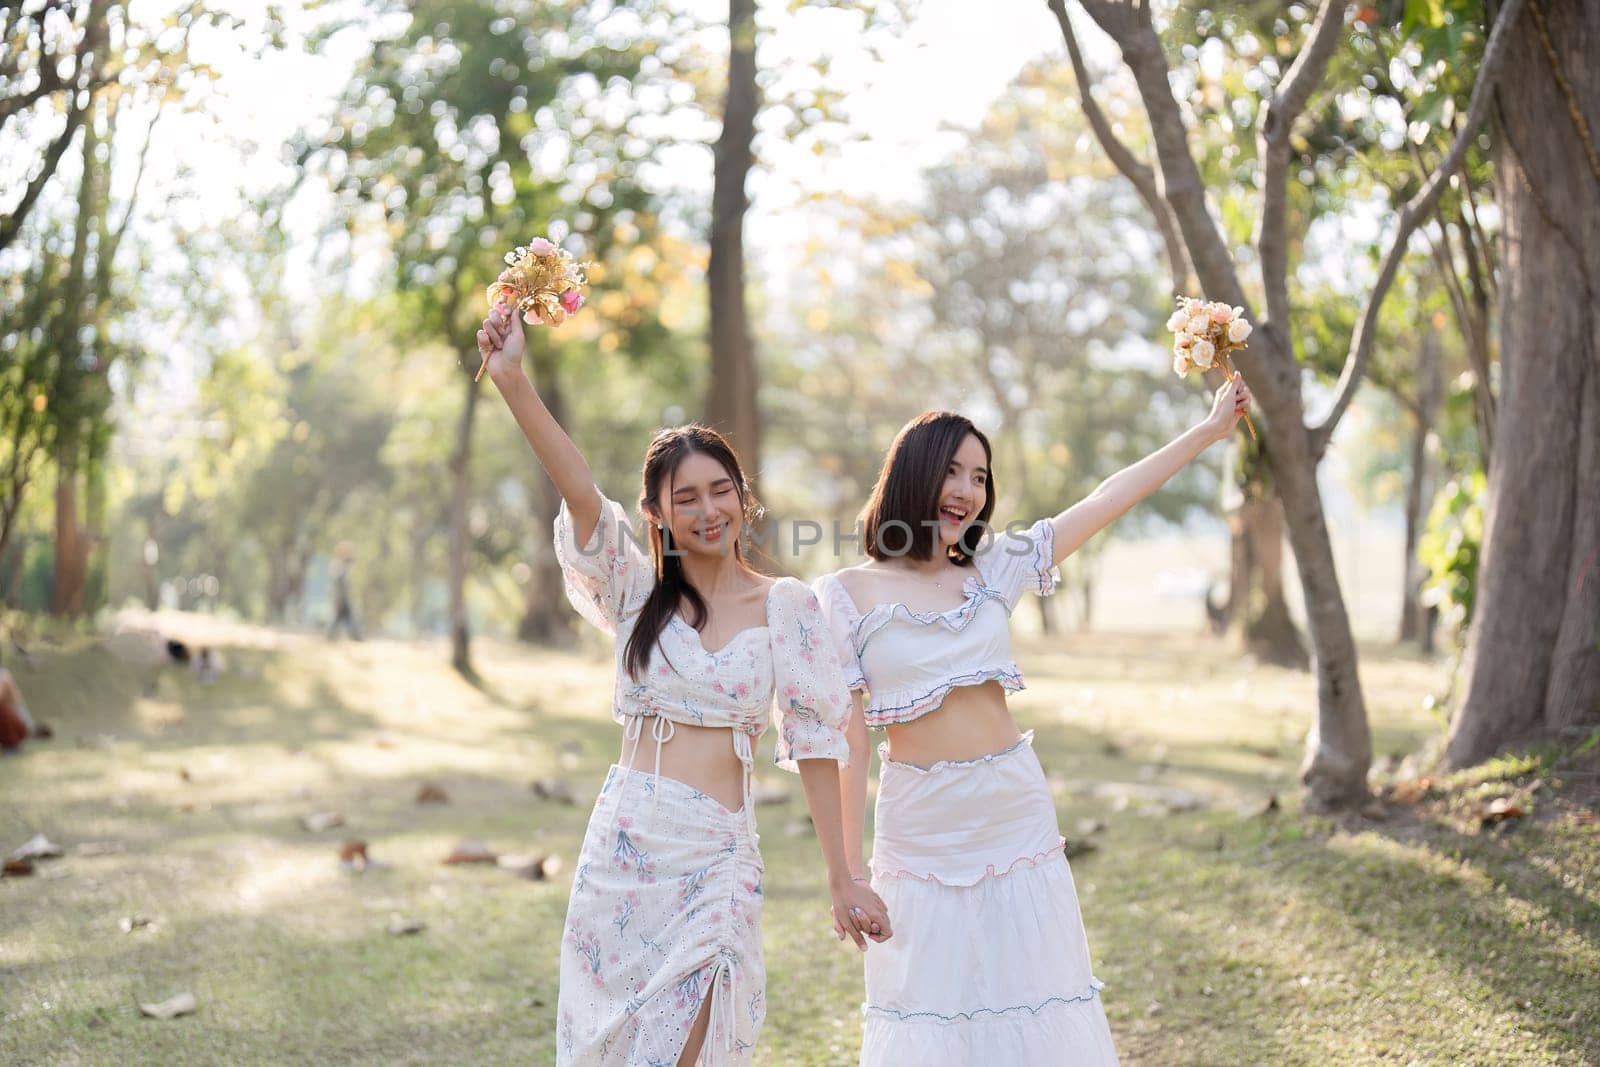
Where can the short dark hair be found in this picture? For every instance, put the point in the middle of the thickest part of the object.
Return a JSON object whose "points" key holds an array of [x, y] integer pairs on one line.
{"points": [[903, 511]]}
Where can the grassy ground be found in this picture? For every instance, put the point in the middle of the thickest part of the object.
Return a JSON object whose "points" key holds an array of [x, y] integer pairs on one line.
{"points": [[1225, 935]]}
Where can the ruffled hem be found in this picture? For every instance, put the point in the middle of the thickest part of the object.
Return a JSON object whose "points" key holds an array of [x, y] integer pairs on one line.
{"points": [[965, 881], [1061, 1031], [878, 715], [1017, 1010]]}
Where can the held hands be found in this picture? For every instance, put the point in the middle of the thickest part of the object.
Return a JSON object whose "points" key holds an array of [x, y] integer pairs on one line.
{"points": [[501, 341], [859, 913], [1228, 407]]}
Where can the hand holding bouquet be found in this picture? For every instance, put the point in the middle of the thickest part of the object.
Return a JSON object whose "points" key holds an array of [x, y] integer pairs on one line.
{"points": [[1205, 333], [543, 282]]}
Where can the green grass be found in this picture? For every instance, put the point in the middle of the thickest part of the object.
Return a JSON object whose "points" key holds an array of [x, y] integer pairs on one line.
{"points": [[1225, 936]]}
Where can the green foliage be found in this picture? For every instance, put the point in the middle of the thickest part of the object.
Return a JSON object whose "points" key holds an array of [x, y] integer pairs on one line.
{"points": [[477, 125], [1450, 546]]}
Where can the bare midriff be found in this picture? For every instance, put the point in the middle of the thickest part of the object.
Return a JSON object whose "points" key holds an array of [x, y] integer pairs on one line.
{"points": [[973, 721], [700, 756]]}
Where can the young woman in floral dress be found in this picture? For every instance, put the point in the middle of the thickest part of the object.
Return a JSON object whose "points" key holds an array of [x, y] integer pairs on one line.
{"points": [[661, 960]]}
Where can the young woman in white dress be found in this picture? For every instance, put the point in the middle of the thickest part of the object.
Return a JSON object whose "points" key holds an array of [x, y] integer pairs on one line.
{"points": [[989, 964], [661, 960]]}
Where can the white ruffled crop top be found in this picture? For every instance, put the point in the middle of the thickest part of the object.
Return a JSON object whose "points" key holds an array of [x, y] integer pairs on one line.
{"points": [[907, 661], [790, 658]]}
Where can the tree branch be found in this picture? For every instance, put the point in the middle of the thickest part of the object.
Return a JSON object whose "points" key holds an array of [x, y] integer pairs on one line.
{"points": [[11, 225], [1413, 213], [1178, 178], [1278, 117], [1135, 170]]}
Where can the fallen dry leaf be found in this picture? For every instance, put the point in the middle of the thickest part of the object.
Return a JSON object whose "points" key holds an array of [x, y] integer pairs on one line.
{"points": [[385, 743], [17, 868], [533, 868], [400, 926], [1499, 810], [183, 772], [172, 1007], [432, 794], [471, 852], [129, 923], [322, 820], [554, 789], [1411, 790], [353, 854], [37, 847]]}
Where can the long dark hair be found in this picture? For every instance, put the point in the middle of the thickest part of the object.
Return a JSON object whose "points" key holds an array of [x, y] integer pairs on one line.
{"points": [[661, 459], [896, 520]]}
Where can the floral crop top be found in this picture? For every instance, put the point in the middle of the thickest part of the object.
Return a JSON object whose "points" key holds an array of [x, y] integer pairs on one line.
{"points": [[907, 661], [790, 658]]}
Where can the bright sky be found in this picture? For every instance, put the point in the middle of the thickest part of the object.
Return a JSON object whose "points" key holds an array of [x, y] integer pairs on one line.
{"points": [[901, 106]]}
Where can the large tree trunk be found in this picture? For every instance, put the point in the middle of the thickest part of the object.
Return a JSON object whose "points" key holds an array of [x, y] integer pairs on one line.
{"points": [[1430, 393], [544, 615], [460, 494], [1533, 659], [732, 408]]}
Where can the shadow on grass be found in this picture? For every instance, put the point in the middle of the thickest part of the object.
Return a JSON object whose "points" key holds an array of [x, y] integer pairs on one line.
{"points": [[1497, 930]]}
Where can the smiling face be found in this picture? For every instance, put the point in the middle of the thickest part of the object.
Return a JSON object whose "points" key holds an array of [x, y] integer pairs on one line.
{"points": [[701, 506], [965, 490], [935, 493]]}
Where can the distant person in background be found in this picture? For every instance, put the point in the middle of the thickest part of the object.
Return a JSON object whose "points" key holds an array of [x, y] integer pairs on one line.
{"points": [[342, 612]]}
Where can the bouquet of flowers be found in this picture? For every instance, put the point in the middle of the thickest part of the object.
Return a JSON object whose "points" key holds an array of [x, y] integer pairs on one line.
{"points": [[543, 282], [1205, 333]]}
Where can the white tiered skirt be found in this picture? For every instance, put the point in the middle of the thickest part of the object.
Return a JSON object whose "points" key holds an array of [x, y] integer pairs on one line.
{"points": [[989, 964]]}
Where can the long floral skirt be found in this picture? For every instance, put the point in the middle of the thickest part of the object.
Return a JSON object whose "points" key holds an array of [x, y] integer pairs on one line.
{"points": [[989, 964], [665, 912]]}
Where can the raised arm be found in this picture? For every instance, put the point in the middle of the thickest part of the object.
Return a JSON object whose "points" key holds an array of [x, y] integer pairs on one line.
{"points": [[1114, 497], [502, 340]]}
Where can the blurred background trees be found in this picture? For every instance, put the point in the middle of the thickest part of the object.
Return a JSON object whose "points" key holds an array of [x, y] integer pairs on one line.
{"points": [[206, 388]]}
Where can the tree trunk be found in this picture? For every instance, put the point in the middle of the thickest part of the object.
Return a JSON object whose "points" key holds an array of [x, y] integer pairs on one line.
{"points": [[1339, 745], [544, 615], [732, 408], [1047, 617], [419, 571], [1257, 620], [66, 598], [1533, 658], [460, 494], [1261, 624], [1430, 393], [71, 565]]}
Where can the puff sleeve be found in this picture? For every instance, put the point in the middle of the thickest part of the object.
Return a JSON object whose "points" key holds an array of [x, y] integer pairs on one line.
{"points": [[1013, 561], [840, 615], [608, 578], [811, 698]]}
